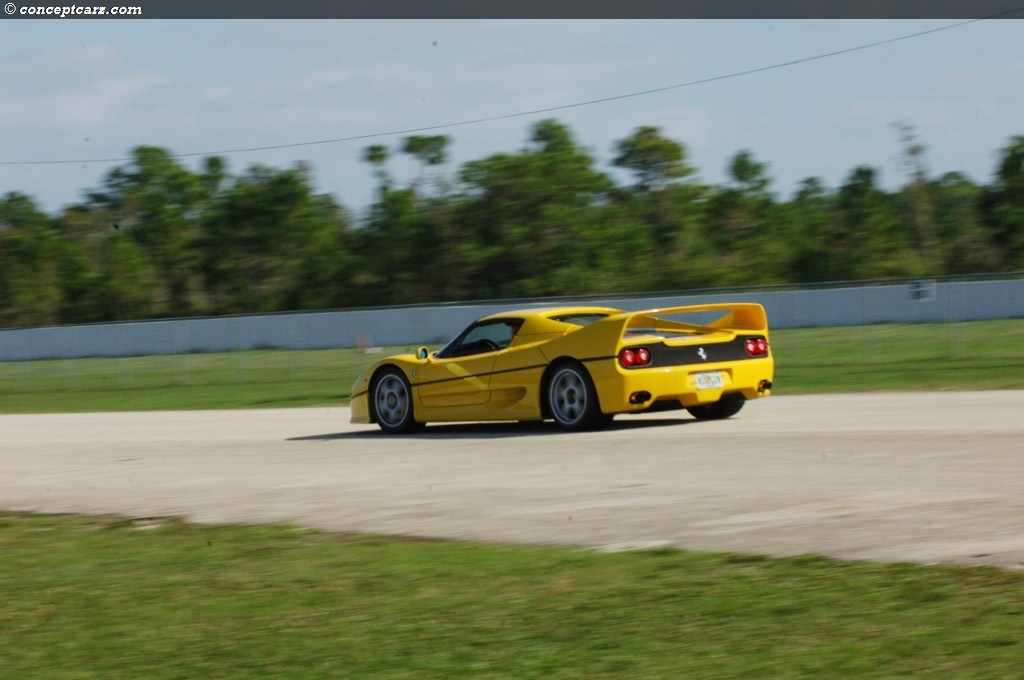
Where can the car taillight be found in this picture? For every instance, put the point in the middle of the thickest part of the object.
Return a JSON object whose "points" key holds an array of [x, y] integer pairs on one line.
{"points": [[756, 347], [631, 357]]}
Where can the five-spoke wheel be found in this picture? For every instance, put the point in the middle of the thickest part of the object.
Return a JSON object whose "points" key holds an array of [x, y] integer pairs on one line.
{"points": [[392, 402], [572, 400]]}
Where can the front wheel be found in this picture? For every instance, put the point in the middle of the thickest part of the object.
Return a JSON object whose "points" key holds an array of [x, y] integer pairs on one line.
{"points": [[724, 408], [572, 399], [392, 402]]}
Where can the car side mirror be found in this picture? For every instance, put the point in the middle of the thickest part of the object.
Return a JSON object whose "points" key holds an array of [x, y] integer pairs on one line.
{"points": [[423, 353]]}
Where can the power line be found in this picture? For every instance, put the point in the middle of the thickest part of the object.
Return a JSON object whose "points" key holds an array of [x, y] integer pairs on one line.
{"points": [[550, 109]]}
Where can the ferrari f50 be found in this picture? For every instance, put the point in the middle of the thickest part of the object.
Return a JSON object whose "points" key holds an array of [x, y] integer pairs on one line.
{"points": [[579, 366]]}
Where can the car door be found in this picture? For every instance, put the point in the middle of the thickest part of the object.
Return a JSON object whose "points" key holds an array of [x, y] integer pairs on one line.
{"points": [[460, 374]]}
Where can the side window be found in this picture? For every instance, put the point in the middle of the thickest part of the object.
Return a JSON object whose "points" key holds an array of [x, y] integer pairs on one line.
{"points": [[487, 337]]}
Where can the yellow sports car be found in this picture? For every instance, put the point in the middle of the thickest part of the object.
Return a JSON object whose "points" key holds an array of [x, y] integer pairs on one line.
{"points": [[577, 365]]}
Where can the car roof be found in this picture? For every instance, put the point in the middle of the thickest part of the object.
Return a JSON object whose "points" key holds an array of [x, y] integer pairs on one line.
{"points": [[549, 312]]}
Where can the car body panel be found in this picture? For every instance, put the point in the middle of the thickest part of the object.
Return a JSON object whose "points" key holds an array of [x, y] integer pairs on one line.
{"points": [[692, 362], [462, 381]]}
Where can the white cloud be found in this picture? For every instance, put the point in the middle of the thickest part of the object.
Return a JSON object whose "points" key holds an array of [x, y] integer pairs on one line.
{"points": [[72, 90]]}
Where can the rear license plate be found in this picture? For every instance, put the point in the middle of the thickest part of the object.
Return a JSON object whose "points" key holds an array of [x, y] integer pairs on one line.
{"points": [[709, 381]]}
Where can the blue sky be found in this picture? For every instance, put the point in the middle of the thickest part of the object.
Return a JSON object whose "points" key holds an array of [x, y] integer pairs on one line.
{"points": [[85, 90]]}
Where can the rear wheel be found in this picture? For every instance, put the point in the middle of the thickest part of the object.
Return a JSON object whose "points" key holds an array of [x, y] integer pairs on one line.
{"points": [[726, 407], [392, 402], [572, 400]]}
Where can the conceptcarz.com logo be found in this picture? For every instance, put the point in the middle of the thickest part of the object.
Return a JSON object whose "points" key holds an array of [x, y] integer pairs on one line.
{"points": [[71, 11]]}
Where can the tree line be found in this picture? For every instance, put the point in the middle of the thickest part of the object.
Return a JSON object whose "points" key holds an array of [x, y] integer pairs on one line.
{"points": [[160, 240]]}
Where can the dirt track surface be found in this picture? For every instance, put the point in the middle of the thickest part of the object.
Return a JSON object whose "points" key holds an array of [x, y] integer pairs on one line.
{"points": [[893, 477]]}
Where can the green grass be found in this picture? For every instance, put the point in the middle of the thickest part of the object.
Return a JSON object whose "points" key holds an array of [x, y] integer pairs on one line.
{"points": [[982, 355], [954, 356], [103, 598], [256, 379]]}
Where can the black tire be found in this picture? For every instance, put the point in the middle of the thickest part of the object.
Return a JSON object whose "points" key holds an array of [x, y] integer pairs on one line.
{"points": [[572, 399], [391, 398], [727, 407]]}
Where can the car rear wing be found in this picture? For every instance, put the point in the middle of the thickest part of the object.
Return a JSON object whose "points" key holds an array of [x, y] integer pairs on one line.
{"points": [[736, 316]]}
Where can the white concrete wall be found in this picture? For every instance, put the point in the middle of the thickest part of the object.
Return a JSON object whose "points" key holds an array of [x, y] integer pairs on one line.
{"points": [[910, 302]]}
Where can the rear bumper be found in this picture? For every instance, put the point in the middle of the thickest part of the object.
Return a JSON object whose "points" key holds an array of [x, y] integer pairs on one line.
{"points": [[631, 390]]}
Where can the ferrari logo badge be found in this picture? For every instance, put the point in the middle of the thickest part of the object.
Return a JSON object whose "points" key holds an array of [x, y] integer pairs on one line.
{"points": [[702, 354]]}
